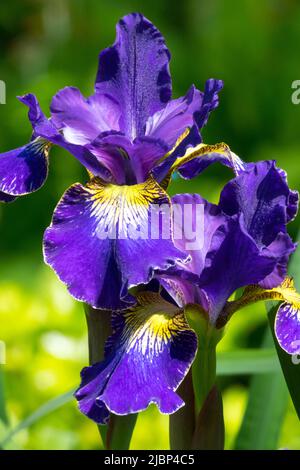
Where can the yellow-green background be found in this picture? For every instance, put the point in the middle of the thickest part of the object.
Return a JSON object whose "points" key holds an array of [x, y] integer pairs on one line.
{"points": [[253, 46]]}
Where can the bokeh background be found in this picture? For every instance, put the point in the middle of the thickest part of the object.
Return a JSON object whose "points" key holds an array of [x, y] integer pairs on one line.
{"points": [[45, 45]]}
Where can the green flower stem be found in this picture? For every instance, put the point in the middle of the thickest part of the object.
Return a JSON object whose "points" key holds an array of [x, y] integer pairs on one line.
{"points": [[117, 434], [208, 401], [120, 430], [204, 372], [99, 328], [182, 423]]}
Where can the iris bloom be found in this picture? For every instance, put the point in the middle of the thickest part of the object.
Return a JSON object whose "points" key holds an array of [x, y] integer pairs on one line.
{"points": [[130, 136], [245, 244]]}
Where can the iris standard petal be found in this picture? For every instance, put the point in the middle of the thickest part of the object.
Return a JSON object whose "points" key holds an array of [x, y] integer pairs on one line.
{"points": [[146, 359], [25, 169], [178, 115], [81, 120], [95, 236], [135, 72]]}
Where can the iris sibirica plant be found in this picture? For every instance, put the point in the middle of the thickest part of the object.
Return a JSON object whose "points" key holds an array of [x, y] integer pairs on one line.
{"points": [[120, 243]]}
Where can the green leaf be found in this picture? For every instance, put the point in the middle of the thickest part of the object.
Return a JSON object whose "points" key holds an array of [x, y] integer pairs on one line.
{"points": [[267, 402], [3, 412], [247, 362], [37, 415], [209, 432]]}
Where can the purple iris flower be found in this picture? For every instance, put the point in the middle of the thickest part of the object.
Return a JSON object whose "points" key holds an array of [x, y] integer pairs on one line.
{"points": [[244, 244], [130, 136]]}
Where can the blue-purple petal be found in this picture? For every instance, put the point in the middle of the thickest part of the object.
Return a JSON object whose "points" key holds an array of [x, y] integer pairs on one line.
{"points": [[25, 169], [82, 120], [146, 359], [135, 71], [94, 238]]}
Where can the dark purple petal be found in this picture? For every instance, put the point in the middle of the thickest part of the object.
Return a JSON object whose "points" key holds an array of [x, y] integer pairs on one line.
{"points": [[94, 238], [287, 328], [236, 263], [147, 357], [262, 195], [25, 169], [210, 101], [7, 197], [82, 120], [280, 249], [135, 72]]}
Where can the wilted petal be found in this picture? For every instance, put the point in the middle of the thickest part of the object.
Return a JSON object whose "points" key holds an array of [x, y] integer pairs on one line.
{"points": [[96, 234], [146, 359], [135, 71]]}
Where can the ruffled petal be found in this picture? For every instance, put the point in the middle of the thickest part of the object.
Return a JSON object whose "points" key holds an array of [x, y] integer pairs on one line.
{"points": [[25, 169], [199, 228], [135, 72], [238, 262], [82, 120], [262, 195], [146, 359], [45, 128], [95, 236], [178, 115]]}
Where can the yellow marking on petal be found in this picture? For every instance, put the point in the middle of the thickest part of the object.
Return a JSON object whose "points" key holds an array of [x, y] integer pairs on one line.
{"points": [[42, 145], [285, 292], [124, 205], [152, 324], [199, 151], [202, 150]]}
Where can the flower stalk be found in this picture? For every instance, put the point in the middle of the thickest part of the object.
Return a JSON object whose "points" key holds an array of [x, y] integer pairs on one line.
{"points": [[117, 434], [209, 427]]}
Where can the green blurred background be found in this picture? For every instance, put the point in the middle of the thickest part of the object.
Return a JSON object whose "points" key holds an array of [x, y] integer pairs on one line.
{"points": [[253, 46]]}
